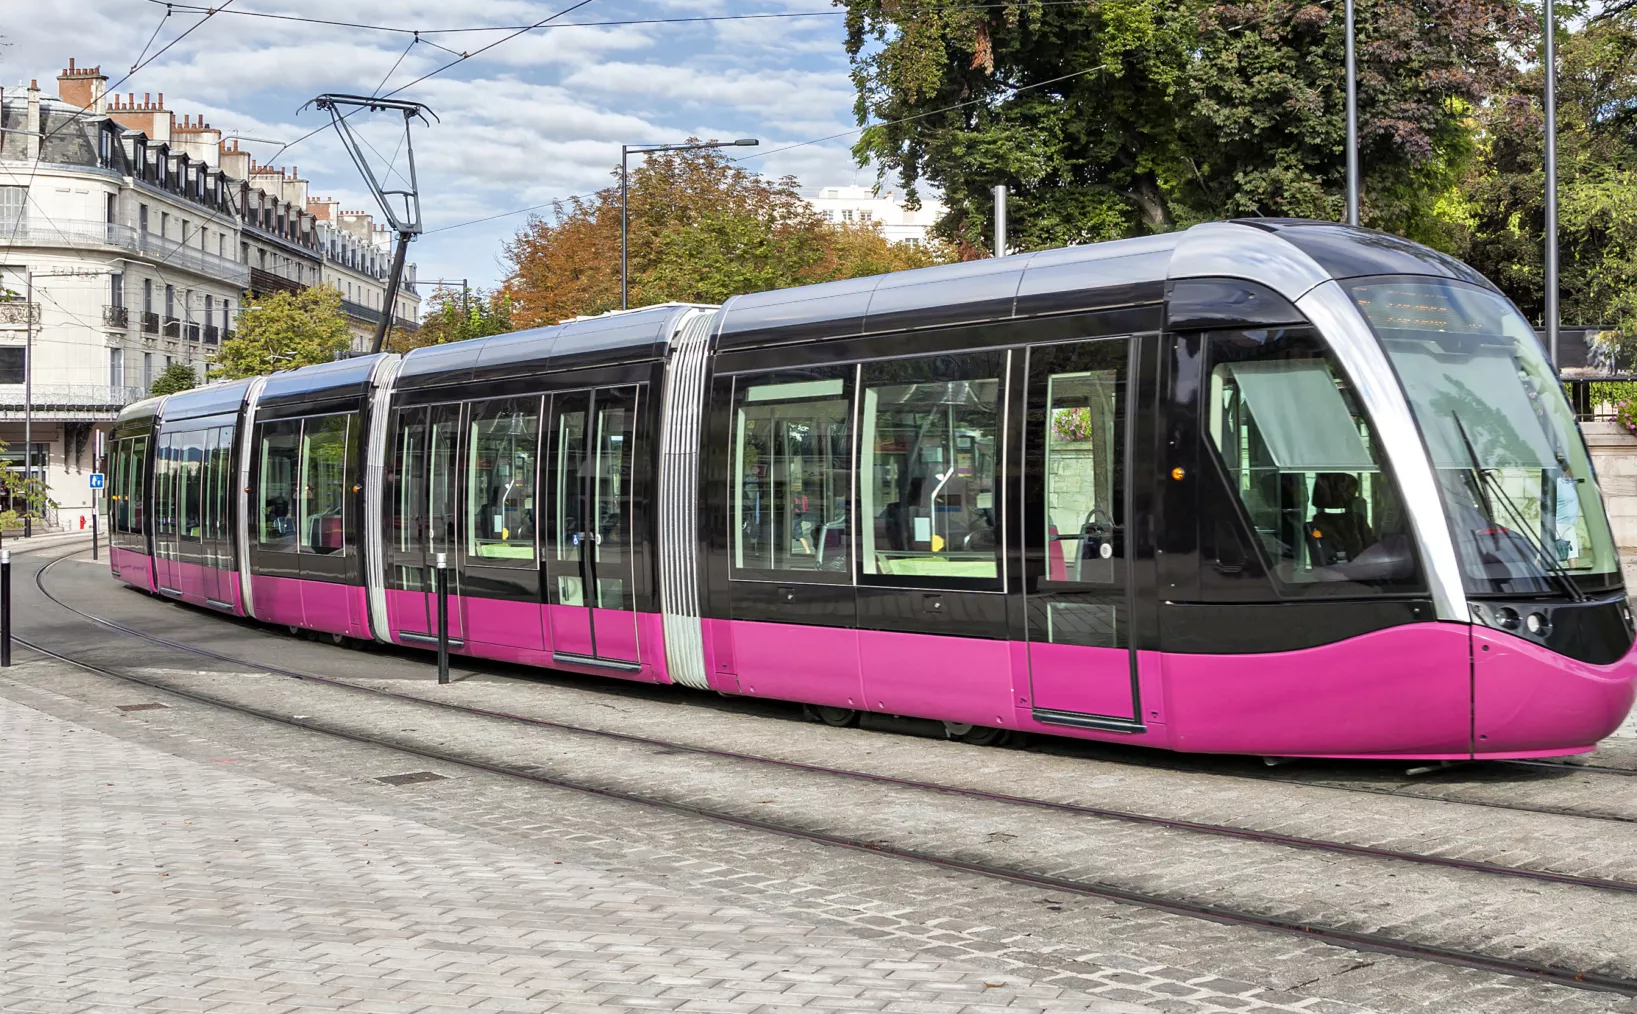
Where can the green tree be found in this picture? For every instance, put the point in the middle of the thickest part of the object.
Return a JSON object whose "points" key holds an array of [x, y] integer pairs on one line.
{"points": [[27, 497], [1501, 205], [175, 377], [702, 228], [1119, 117], [454, 315], [283, 331]]}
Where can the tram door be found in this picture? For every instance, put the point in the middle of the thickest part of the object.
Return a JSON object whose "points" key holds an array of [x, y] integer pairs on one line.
{"points": [[589, 543], [424, 520], [215, 531], [1082, 670], [167, 548]]}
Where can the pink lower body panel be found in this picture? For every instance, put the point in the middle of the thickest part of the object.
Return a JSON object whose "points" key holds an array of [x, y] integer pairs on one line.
{"points": [[313, 605], [207, 586], [1404, 691], [1529, 701], [132, 567]]}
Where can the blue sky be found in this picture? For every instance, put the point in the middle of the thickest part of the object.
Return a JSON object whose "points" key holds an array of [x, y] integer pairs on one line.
{"points": [[540, 117]]}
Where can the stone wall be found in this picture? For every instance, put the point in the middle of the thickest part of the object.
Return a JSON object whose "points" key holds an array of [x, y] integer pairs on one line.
{"points": [[1614, 455]]}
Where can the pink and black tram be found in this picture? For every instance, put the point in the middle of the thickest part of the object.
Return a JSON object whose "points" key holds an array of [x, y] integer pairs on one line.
{"points": [[1267, 487]]}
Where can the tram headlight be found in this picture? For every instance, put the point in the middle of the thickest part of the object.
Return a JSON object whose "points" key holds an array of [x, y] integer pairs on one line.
{"points": [[1537, 625], [1507, 617]]}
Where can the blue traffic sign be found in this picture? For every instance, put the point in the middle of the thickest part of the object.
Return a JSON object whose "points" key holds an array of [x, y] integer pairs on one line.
{"points": [[96, 480]]}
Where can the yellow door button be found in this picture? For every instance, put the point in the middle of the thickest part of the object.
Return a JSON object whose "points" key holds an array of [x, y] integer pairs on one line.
{"points": [[1177, 473]]}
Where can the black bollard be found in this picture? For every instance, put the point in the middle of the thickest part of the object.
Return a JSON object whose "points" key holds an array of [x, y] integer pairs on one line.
{"points": [[5, 607], [93, 536], [443, 618]]}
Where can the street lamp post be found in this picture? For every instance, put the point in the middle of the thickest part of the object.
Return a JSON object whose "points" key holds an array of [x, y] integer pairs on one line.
{"points": [[1352, 120], [1551, 179], [626, 150]]}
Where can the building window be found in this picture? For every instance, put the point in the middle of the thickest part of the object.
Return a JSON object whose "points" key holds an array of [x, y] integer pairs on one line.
{"points": [[170, 301], [164, 225], [864, 216], [13, 207], [147, 295], [847, 215], [142, 217], [12, 360], [116, 368], [147, 370], [111, 205], [116, 289]]}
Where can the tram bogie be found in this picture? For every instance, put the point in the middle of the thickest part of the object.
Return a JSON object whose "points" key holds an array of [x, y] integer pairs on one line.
{"points": [[1272, 488]]}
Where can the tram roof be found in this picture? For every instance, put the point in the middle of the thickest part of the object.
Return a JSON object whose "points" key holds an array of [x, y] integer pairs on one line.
{"points": [[617, 337], [344, 379], [212, 399], [1289, 256]]}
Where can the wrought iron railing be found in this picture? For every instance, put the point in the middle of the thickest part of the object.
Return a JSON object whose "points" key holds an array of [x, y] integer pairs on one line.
{"points": [[173, 327], [193, 331], [80, 233], [212, 334], [1597, 399], [116, 316], [150, 322]]}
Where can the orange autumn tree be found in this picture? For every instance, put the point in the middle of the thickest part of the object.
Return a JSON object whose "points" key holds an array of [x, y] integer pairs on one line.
{"points": [[702, 228]]}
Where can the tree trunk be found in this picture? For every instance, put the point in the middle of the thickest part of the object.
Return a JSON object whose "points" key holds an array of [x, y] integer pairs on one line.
{"points": [[1145, 190]]}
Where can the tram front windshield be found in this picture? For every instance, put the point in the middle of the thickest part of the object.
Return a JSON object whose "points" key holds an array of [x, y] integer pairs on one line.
{"points": [[1512, 470]]}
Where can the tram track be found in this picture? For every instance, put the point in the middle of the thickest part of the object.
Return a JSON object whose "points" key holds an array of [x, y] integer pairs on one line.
{"points": [[1366, 941], [1077, 809], [1360, 941]]}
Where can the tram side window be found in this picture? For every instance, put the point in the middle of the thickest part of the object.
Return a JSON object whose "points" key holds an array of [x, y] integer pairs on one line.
{"points": [[323, 490], [929, 455], [791, 480], [1305, 462], [164, 471], [118, 518], [279, 465], [505, 442], [134, 503], [188, 454]]}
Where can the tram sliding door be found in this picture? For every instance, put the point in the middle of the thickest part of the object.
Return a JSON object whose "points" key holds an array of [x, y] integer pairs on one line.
{"points": [[167, 550], [423, 520], [589, 545], [1082, 668]]}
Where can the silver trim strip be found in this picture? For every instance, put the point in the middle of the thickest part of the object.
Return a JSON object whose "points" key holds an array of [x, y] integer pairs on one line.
{"points": [[1230, 250], [1365, 363], [380, 419], [681, 418], [252, 395]]}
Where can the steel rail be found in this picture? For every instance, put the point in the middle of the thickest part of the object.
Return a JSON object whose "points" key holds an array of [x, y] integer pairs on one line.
{"points": [[1359, 941], [1103, 813]]}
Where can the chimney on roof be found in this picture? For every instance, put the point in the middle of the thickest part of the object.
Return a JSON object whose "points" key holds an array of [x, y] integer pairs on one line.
{"points": [[85, 87], [31, 126]]}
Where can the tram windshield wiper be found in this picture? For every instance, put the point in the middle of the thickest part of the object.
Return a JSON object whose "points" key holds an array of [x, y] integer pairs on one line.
{"points": [[1489, 490]]}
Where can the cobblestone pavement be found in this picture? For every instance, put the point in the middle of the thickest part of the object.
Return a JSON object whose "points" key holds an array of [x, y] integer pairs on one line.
{"points": [[1043, 948]]}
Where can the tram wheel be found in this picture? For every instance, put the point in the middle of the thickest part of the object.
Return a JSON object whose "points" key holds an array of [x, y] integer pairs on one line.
{"points": [[840, 718], [339, 640], [977, 735], [295, 631]]}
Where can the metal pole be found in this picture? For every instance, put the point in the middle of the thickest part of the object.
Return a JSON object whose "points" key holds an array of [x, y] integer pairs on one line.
{"points": [[1000, 220], [1352, 120], [625, 194], [443, 617], [1551, 180], [28, 410], [93, 526], [392, 292], [5, 607]]}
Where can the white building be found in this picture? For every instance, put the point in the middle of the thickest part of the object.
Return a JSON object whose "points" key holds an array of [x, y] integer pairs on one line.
{"points": [[863, 205], [138, 239]]}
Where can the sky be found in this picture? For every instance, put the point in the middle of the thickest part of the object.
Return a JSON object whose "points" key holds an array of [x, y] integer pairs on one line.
{"points": [[537, 118]]}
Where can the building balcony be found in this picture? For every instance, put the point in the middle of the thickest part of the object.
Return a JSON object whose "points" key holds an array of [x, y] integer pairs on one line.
{"points": [[15, 313], [371, 316], [68, 401], [264, 282], [82, 234], [173, 328], [150, 322], [116, 317], [212, 334], [192, 331]]}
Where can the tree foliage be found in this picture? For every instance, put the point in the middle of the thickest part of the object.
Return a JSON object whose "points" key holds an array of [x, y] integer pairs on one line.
{"points": [[1117, 117], [283, 331], [178, 376], [454, 315], [702, 228]]}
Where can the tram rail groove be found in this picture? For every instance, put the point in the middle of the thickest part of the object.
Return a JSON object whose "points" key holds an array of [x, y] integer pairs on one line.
{"points": [[1078, 809], [1352, 940]]}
